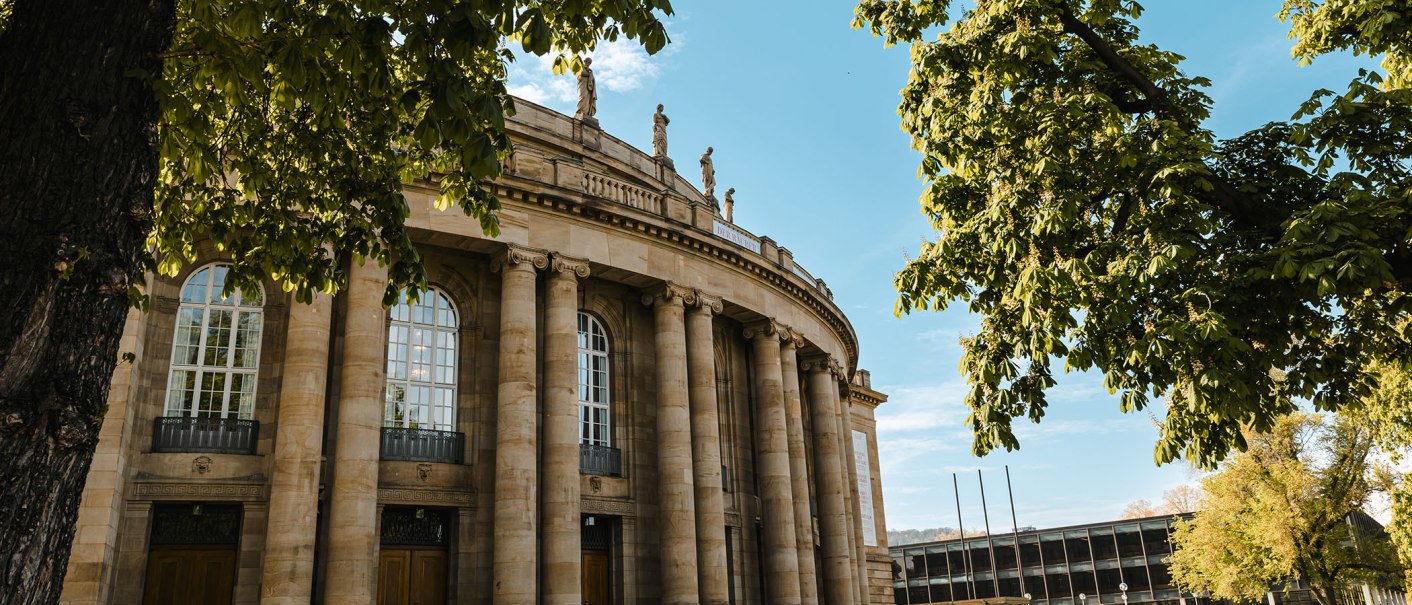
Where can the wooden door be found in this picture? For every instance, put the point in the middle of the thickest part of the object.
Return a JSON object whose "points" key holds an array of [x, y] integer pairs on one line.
{"points": [[394, 575], [428, 586], [190, 576], [596, 579], [411, 576]]}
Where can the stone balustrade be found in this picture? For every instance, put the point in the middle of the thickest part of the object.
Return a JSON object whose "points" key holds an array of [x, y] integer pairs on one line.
{"points": [[617, 191]]}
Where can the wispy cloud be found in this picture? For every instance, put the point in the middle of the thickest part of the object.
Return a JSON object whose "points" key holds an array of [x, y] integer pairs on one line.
{"points": [[621, 66]]}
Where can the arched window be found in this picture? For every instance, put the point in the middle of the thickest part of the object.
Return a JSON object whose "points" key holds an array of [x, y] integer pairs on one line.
{"points": [[595, 427], [216, 348], [421, 364]]}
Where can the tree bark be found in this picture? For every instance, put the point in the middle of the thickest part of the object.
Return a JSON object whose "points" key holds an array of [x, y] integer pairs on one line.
{"points": [[78, 166]]}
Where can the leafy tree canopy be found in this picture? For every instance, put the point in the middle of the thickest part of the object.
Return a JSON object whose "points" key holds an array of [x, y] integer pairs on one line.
{"points": [[1289, 508], [1085, 211], [287, 128]]}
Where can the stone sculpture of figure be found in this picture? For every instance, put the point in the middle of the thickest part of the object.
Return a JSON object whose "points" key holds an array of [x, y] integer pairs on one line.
{"points": [[588, 92], [708, 174], [729, 210], [659, 133]]}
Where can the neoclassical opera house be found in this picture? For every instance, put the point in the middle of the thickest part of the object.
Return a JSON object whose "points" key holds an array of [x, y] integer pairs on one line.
{"points": [[623, 399]]}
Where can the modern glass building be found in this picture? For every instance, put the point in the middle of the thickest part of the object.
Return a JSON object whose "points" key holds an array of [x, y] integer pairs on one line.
{"points": [[1076, 565]]}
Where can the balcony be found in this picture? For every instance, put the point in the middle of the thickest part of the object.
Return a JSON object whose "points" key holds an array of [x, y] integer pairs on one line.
{"points": [[600, 460], [422, 445], [209, 435]]}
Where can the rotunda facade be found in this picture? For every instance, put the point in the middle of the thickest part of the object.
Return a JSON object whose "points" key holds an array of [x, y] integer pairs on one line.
{"points": [[624, 398]]}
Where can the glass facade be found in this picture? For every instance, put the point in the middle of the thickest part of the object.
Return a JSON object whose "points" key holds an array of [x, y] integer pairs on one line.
{"points": [[1053, 566]]}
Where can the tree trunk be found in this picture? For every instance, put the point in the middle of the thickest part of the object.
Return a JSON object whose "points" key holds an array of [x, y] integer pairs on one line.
{"points": [[78, 164]]}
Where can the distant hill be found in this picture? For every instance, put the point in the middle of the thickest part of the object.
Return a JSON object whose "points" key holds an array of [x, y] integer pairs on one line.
{"points": [[901, 537]]}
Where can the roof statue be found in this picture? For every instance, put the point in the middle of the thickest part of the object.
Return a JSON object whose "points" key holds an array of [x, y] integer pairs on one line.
{"points": [[659, 133], [588, 93], [729, 209], [708, 174]]}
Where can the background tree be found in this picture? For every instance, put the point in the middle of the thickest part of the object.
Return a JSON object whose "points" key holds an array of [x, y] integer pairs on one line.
{"points": [[281, 131], [1084, 210], [1180, 499], [1137, 509], [1288, 508]]}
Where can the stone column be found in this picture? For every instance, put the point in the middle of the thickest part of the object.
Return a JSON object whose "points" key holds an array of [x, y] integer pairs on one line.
{"points": [[674, 476], [353, 532], [860, 551], [561, 532], [829, 487], [772, 466], [706, 452], [515, 572], [798, 469], [288, 574]]}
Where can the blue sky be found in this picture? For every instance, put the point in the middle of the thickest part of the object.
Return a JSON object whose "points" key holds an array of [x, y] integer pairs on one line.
{"points": [[801, 111]]}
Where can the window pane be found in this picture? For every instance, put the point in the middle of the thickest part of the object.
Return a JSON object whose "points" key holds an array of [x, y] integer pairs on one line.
{"points": [[217, 339], [181, 389], [195, 290], [247, 339], [187, 341]]}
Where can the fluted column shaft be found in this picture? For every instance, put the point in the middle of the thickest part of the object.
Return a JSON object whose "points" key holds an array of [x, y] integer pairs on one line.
{"points": [[515, 564], [798, 472], [677, 491], [561, 533], [772, 468], [353, 536], [829, 488], [860, 552], [288, 574], [706, 452]]}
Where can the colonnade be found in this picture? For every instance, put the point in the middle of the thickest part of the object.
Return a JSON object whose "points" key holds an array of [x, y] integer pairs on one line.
{"points": [[536, 550]]}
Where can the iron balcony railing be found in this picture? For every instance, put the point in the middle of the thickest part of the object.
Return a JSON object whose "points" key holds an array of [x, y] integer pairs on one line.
{"points": [[600, 460], [423, 445], [210, 435]]}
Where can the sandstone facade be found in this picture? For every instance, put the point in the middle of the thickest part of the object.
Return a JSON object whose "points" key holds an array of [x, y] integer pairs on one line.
{"points": [[622, 399]]}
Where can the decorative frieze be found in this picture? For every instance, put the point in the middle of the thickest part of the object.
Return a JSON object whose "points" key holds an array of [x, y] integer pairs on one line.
{"points": [[427, 497], [199, 491], [600, 506]]}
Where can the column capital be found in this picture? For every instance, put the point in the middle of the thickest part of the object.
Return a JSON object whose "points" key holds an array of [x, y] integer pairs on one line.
{"points": [[568, 265], [669, 293], [706, 303], [521, 257], [820, 362], [769, 328], [792, 338]]}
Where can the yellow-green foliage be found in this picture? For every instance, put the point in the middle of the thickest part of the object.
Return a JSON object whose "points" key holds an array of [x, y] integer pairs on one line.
{"points": [[1279, 512]]}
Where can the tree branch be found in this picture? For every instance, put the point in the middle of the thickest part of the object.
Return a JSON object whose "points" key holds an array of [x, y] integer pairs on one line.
{"points": [[1224, 195]]}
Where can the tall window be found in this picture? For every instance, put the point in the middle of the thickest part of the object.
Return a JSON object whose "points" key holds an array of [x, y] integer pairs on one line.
{"points": [[594, 425], [216, 348], [421, 364]]}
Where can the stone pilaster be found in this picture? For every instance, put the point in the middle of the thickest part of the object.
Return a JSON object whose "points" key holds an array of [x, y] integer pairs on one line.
{"points": [[829, 488], [288, 569], [561, 533], [706, 452], [677, 499], [772, 465], [798, 469], [516, 564], [352, 533]]}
